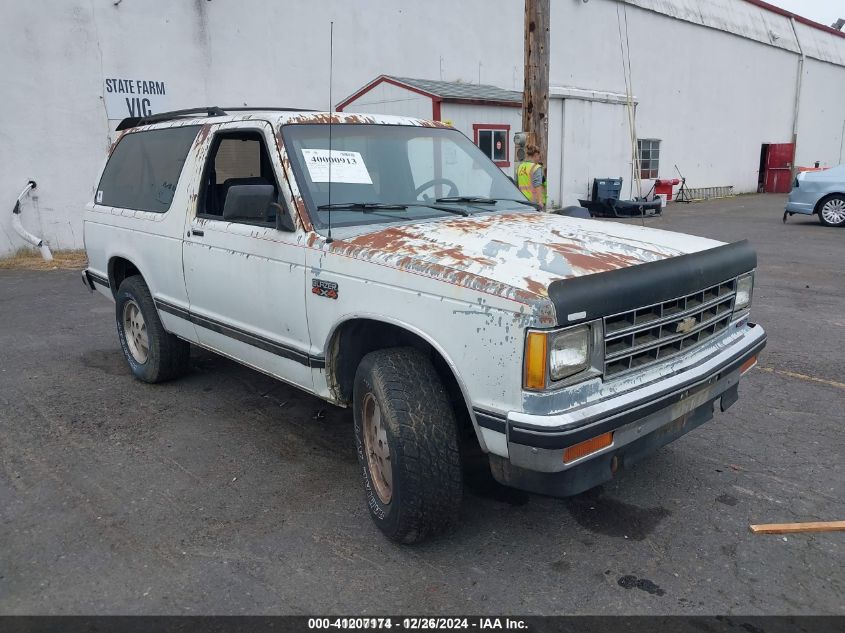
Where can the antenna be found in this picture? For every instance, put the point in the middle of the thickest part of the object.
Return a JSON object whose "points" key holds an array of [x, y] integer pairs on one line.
{"points": [[329, 238]]}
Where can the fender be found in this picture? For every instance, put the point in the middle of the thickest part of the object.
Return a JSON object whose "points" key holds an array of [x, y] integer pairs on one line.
{"points": [[421, 334], [113, 255]]}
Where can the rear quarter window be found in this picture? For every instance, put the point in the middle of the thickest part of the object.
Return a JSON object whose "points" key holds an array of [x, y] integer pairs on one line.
{"points": [[143, 170]]}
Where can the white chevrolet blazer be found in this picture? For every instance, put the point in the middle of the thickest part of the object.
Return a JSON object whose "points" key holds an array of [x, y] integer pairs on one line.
{"points": [[402, 274]]}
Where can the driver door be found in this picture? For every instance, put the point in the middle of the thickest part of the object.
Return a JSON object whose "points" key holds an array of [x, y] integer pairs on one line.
{"points": [[245, 277]]}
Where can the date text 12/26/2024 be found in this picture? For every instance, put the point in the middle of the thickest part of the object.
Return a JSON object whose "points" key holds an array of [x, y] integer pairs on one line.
{"points": [[419, 623]]}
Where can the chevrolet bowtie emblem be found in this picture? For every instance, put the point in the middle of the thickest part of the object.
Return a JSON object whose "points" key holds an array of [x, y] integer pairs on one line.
{"points": [[686, 325]]}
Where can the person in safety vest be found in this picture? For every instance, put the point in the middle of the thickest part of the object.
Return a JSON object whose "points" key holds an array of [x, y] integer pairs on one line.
{"points": [[545, 184], [529, 176]]}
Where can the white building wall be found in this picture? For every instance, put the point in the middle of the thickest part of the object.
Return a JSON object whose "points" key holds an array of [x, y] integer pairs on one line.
{"points": [[554, 160], [731, 95], [711, 97], [464, 116], [596, 144], [57, 53], [821, 120], [386, 98]]}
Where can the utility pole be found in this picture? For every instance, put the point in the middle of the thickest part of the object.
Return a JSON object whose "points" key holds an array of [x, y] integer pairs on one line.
{"points": [[535, 95]]}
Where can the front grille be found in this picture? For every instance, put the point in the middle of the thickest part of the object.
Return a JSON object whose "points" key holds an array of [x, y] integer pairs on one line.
{"points": [[654, 333]]}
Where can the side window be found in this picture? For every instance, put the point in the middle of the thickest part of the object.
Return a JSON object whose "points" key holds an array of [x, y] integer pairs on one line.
{"points": [[143, 170], [239, 183]]}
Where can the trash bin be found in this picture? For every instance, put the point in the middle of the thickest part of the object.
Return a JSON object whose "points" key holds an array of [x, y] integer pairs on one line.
{"points": [[606, 203]]}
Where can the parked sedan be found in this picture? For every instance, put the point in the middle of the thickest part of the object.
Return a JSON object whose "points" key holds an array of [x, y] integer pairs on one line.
{"points": [[820, 192]]}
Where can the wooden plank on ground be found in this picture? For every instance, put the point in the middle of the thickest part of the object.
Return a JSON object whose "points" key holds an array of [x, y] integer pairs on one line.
{"points": [[787, 528]]}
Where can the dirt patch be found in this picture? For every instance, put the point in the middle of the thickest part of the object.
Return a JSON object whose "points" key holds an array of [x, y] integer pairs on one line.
{"points": [[30, 259]]}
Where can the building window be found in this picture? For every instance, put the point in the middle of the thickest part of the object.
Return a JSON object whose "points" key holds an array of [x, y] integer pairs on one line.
{"points": [[648, 151], [493, 141]]}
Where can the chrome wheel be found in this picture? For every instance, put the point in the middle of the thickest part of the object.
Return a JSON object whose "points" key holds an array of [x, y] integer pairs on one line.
{"points": [[377, 449], [135, 332], [833, 211]]}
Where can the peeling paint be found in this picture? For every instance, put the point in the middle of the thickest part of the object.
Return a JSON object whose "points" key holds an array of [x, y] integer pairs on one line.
{"points": [[205, 130], [302, 213], [512, 255], [304, 118]]}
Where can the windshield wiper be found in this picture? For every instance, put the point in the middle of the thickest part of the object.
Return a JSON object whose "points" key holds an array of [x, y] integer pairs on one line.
{"points": [[369, 207], [476, 199], [484, 200], [363, 206], [524, 201], [437, 207]]}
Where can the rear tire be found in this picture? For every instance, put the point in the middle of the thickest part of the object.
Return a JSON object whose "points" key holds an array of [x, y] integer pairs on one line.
{"points": [[407, 442], [153, 354], [832, 210]]}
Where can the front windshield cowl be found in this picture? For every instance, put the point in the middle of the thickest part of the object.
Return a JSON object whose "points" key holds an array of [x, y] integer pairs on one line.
{"points": [[373, 170]]}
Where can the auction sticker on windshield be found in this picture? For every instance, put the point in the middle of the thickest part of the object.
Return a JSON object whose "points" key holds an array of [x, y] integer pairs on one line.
{"points": [[346, 166]]}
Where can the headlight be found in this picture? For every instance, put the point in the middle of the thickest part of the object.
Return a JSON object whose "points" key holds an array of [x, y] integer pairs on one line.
{"points": [[744, 289], [569, 352], [551, 356]]}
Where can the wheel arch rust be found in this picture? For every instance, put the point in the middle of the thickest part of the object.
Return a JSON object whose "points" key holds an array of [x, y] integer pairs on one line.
{"points": [[344, 351]]}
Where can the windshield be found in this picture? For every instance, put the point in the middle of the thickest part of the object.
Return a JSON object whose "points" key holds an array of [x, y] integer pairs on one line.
{"points": [[391, 173]]}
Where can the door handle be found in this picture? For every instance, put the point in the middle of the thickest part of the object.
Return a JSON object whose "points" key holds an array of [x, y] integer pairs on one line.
{"points": [[198, 232]]}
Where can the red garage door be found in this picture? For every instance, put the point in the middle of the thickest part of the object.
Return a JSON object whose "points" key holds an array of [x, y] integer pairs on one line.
{"points": [[779, 168]]}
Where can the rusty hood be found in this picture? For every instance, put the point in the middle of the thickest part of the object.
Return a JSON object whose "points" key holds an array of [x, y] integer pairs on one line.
{"points": [[516, 255]]}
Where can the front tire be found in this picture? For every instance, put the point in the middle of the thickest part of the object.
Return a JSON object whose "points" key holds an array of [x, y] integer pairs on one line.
{"points": [[153, 354], [407, 442], [832, 211]]}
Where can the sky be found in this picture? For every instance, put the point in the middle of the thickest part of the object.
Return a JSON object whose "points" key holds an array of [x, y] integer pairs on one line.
{"points": [[824, 11]]}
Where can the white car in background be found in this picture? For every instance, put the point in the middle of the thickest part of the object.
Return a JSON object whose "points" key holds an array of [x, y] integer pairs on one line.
{"points": [[820, 192]]}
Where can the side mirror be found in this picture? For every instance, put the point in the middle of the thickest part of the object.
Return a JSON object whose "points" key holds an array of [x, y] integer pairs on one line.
{"points": [[247, 203], [283, 220]]}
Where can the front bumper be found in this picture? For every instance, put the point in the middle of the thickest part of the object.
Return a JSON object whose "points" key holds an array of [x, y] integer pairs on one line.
{"points": [[641, 421]]}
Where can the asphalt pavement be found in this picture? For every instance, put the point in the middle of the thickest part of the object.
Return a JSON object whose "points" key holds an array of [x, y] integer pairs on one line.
{"points": [[226, 492]]}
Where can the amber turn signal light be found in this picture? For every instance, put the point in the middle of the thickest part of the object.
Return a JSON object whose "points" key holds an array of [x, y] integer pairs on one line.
{"points": [[536, 355], [579, 450], [747, 365]]}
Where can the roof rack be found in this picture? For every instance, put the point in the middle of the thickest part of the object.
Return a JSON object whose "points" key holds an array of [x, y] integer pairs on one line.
{"points": [[135, 121], [210, 111], [271, 108]]}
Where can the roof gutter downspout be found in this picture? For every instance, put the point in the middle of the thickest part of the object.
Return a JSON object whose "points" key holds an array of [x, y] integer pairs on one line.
{"points": [[26, 235], [798, 82]]}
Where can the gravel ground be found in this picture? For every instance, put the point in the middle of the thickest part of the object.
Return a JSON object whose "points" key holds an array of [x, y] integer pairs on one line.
{"points": [[228, 492]]}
